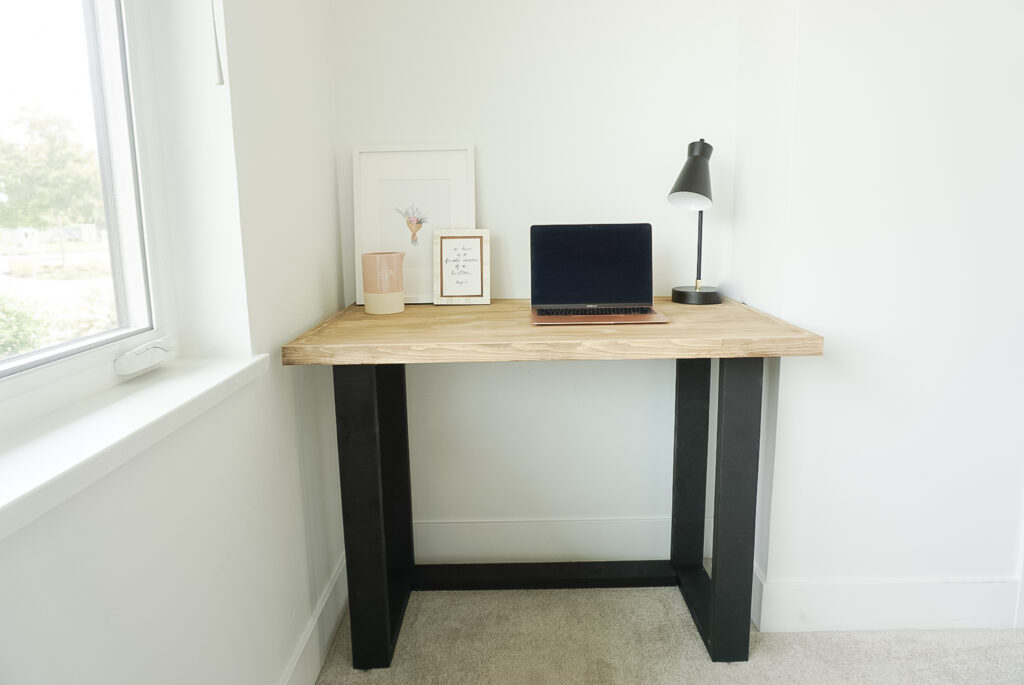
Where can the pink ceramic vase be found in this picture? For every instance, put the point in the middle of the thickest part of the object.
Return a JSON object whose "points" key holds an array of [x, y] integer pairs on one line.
{"points": [[382, 282]]}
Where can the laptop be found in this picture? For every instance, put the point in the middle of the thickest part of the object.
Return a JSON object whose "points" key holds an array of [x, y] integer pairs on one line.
{"points": [[591, 274]]}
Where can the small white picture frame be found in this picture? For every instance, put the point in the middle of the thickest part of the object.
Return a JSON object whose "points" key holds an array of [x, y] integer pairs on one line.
{"points": [[401, 193], [462, 266]]}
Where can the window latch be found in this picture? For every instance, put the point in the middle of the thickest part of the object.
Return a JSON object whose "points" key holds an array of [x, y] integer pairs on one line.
{"points": [[145, 357]]}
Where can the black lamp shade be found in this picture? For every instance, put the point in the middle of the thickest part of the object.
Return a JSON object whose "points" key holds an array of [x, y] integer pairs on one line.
{"points": [[692, 190]]}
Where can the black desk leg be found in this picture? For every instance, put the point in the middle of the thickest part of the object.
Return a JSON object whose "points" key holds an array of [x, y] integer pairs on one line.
{"points": [[720, 605], [693, 398], [376, 500]]}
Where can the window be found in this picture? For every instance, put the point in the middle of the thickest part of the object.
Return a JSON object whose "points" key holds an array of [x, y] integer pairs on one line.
{"points": [[73, 265]]}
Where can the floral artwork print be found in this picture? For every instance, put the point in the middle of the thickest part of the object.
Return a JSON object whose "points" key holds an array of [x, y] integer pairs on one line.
{"points": [[414, 220]]}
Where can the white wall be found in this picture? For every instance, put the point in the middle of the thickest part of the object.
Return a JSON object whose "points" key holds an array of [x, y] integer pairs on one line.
{"points": [[896, 498], [186, 565], [580, 112], [282, 100], [878, 149], [186, 151], [216, 555]]}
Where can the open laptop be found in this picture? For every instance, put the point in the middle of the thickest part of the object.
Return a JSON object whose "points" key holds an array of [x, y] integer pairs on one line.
{"points": [[592, 273]]}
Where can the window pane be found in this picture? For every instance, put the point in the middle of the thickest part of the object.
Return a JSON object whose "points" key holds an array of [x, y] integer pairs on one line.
{"points": [[72, 272]]}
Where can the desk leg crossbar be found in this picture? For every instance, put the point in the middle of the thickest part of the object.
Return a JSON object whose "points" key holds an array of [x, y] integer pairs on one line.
{"points": [[373, 457]]}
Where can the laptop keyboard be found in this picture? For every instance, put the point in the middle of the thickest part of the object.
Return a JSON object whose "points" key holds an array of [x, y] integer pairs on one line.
{"points": [[595, 311]]}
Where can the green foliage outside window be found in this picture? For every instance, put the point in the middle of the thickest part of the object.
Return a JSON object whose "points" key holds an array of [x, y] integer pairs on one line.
{"points": [[48, 179], [20, 330], [49, 182]]}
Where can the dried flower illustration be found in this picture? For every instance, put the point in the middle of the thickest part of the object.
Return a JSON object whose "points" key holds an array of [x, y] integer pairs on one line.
{"points": [[414, 220]]}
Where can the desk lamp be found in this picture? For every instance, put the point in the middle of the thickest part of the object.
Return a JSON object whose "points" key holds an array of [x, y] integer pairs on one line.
{"points": [[692, 191]]}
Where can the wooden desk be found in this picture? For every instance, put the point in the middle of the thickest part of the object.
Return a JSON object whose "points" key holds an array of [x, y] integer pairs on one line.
{"points": [[369, 354]]}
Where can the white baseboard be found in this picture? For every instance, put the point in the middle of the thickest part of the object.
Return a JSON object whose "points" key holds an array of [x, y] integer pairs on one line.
{"points": [[757, 596], [604, 539], [884, 605], [709, 529], [1019, 620], [585, 539], [311, 649], [784, 606], [1019, 617]]}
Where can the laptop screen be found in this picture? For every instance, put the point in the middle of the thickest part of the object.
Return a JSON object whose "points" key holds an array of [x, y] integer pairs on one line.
{"points": [[607, 264]]}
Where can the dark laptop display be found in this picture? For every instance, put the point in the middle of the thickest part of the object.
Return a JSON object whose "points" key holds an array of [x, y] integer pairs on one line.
{"points": [[601, 272]]}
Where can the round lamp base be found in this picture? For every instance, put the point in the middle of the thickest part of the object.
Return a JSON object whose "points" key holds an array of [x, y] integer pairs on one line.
{"points": [[690, 295]]}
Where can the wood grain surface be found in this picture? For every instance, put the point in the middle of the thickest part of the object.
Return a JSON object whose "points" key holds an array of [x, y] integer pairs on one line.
{"points": [[501, 331]]}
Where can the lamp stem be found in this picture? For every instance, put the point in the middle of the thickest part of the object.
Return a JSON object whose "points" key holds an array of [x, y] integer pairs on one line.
{"points": [[700, 242]]}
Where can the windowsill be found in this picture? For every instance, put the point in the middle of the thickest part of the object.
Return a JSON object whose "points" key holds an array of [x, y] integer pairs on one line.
{"points": [[50, 459]]}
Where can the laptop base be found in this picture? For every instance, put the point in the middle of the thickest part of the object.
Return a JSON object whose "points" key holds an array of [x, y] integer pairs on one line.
{"points": [[654, 317]]}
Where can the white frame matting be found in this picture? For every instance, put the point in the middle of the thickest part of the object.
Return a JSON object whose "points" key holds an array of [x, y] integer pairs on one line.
{"points": [[393, 182]]}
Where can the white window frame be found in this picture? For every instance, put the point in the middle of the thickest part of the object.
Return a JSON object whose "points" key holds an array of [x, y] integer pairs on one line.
{"points": [[87, 366]]}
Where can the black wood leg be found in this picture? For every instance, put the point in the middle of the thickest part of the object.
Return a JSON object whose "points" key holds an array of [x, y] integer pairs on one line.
{"points": [[739, 440], [373, 459], [690, 466], [720, 605]]}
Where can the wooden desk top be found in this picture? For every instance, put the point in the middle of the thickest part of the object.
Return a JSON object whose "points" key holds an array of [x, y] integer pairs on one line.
{"points": [[502, 332]]}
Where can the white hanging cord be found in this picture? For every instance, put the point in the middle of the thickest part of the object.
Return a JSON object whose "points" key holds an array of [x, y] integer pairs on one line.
{"points": [[219, 79]]}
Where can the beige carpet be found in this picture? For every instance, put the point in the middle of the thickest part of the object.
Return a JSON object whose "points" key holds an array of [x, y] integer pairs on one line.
{"points": [[646, 636]]}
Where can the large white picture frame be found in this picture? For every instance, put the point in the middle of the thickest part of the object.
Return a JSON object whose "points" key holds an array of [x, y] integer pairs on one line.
{"points": [[401, 193]]}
